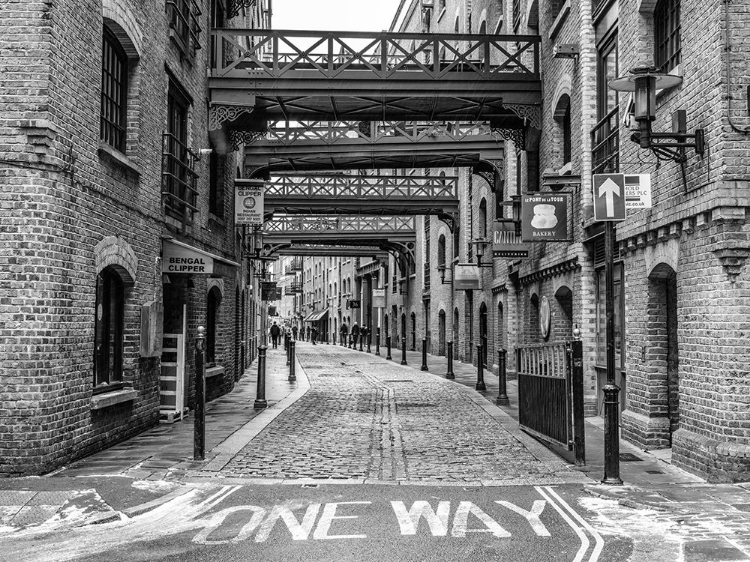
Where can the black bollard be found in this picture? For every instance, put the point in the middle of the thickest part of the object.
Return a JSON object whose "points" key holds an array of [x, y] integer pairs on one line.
{"points": [[449, 374], [287, 347], [424, 354], [388, 347], [377, 343], [403, 350], [369, 342], [292, 374], [480, 370], [260, 394], [199, 428], [502, 394], [361, 342]]}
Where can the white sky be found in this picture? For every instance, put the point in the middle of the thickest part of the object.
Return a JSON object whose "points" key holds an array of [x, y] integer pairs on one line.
{"points": [[333, 15]]}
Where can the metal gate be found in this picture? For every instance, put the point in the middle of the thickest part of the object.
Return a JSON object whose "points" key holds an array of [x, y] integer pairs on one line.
{"points": [[550, 395]]}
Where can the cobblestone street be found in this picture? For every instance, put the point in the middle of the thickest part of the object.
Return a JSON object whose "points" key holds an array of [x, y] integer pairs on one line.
{"points": [[369, 419]]}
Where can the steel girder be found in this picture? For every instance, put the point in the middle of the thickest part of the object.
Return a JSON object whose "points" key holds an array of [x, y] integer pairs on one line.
{"points": [[340, 230], [366, 145], [319, 250], [263, 75], [357, 194]]}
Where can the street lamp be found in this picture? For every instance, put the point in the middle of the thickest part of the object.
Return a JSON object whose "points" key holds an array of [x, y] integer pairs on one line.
{"points": [[515, 204], [480, 244], [442, 268], [643, 82]]}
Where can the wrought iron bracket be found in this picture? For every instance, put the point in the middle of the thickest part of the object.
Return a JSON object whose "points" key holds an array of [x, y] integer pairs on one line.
{"points": [[671, 146], [218, 114], [237, 138], [451, 219], [490, 171], [516, 136], [235, 6]]}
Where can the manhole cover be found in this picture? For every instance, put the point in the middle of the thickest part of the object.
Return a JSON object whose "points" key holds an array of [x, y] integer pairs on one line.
{"points": [[654, 472], [628, 457], [310, 485]]}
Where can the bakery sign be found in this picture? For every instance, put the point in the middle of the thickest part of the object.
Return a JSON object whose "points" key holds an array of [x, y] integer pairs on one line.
{"points": [[544, 217]]}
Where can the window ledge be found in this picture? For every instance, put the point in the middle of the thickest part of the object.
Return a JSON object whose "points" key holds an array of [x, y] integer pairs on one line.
{"points": [[107, 399], [119, 158], [559, 20], [214, 371]]}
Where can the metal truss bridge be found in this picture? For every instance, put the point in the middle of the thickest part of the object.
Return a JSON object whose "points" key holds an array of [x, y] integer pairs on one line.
{"points": [[358, 194], [322, 145], [272, 75], [339, 230], [329, 250]]}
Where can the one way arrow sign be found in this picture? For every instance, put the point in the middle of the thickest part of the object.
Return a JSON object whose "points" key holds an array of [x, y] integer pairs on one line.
{"points": [[609, 197]]}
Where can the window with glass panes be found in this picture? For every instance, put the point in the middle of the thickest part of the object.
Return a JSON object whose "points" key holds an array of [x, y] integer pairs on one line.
{"points": [[667, 34], [108, 330], [114, 92]]}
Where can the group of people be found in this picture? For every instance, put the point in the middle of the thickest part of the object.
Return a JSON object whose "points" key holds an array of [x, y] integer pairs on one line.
{"points": [[310, 333], [350, 339]]}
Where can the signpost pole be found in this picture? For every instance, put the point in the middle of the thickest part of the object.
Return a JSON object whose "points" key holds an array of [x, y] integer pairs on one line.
{"points": [[611, 391]]}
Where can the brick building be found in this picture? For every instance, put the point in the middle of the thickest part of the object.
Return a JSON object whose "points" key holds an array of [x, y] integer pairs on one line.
{"points": [[117, 228]]}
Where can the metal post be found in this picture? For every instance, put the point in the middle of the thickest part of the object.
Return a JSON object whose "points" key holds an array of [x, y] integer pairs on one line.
{"points": [[377, 342], [449, 374], [388, 347], [403, 350], [502, 393], [611, 399], [260, 395], [199, 428], [286, 347], [369, 341], [424, 354], [361, 341], [292, 374], [579, 433], [480, 370]]}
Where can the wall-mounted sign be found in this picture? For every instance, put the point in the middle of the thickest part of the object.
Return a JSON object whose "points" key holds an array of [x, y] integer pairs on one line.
{"points": [[609, 197], [378, 298], [465, 277], [178, 258], [268, 290], [544, 217], [638, 191], [505, 242], [352, 304], [248, 203]]}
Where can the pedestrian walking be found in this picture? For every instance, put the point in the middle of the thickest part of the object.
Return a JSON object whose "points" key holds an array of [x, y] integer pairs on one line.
{"points": [[294, 332], [344, 331], [355, 334], [313, 334], [275, 332], [307, 337]]}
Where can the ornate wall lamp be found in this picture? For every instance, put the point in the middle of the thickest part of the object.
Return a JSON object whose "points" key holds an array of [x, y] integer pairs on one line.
{"points": [[442, 268], [643, 82], [515, 204], [480, 244]]}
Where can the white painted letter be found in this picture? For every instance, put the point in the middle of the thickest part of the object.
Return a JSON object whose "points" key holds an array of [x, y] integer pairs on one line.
{"points": [[329, 514], [299, 531], [218, 519], [460, 522], [409, 520], [531, 516]]}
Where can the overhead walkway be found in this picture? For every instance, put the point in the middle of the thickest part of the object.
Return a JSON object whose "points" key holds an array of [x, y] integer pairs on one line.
{"points": [[370, 195], [330, 250], [325, 145], [344, 230], [260, 76]]}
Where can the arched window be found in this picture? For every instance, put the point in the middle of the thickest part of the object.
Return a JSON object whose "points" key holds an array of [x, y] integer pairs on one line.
{"points": [[562, 118], [108, 326], [213, 300], [483, 218], [441, 251]]}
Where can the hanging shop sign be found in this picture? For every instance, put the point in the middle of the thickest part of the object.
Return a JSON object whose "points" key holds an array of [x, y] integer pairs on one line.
{"points": [[465, 277], [181, 258], [506, 243], [378, 298], [268, 290], [544, 217], [248, 203], [352, 304]]}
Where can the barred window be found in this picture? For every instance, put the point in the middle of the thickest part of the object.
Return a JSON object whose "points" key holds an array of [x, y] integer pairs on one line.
{"points": [[114, 92], [667, 34]]}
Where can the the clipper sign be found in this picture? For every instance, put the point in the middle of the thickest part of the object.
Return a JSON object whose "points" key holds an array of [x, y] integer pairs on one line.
{"points": [[248, 204]]}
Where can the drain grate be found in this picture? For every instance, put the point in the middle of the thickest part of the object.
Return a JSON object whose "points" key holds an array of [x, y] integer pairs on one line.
{"points": [[415, 405], [629, 457], [654, 472]]}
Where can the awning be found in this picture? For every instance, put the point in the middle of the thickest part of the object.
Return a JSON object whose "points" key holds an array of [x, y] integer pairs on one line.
{"points": [[315, 316], [178, 257]]}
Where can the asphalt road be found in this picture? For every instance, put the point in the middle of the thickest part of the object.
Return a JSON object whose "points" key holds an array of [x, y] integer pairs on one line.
{"points": [[328, 522]]}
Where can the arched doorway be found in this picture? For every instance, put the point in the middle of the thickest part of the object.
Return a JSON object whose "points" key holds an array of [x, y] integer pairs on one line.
{"points": [[441, 332], [662, 353], [483, 333]]}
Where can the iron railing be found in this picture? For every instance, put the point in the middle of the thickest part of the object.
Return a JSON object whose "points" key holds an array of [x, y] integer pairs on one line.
{"points": [[544, 392], [605, 140], [371, 132], [353, 224], [277, 54], [184, 17], [363, 188], [296, 264], [178, 179]]}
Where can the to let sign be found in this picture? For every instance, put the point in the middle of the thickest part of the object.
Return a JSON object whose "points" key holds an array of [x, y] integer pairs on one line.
{"points": [[378, 298], [248, 204], [637, 191], [544, 217], [609, 197]]}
